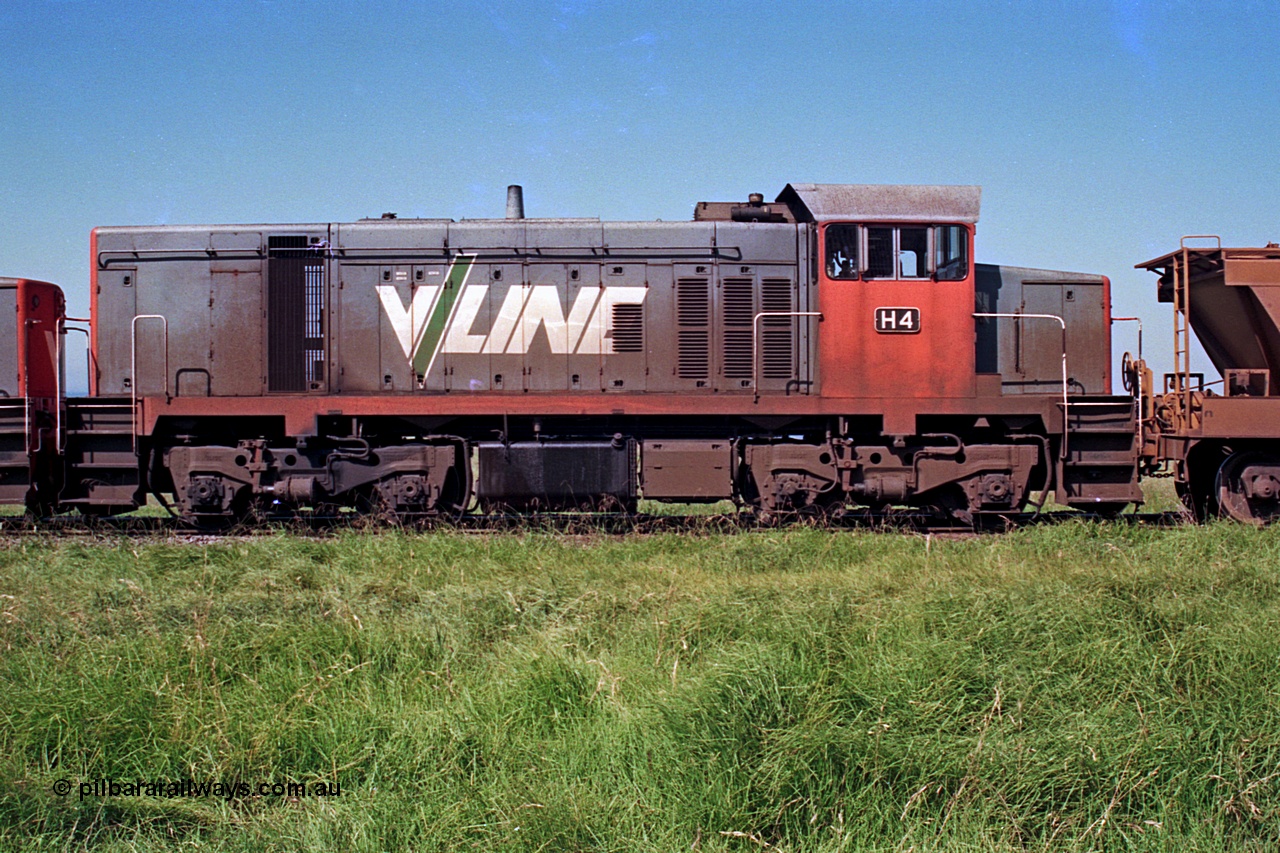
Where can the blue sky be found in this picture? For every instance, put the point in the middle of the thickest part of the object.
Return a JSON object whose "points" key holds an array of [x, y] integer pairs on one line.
{"points": [[1100, 131]]}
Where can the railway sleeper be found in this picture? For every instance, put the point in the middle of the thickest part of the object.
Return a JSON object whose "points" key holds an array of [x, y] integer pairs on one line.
{"points": [[220, 482]]}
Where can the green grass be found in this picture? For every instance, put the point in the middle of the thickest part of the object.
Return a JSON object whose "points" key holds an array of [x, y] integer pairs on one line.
{"points": [[1077, 687]]}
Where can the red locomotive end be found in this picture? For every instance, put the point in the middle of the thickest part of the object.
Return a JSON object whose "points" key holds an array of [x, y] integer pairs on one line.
{"points": [[31, 391]]}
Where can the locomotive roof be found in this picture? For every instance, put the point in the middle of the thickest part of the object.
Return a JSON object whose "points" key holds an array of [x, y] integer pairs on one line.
{"points": [[801, 203], [906, 202]]}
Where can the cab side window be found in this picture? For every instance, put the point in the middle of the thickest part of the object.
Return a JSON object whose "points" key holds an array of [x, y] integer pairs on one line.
{"points": [[879, 252], [902, 253], [842, 251], [951, 247]]}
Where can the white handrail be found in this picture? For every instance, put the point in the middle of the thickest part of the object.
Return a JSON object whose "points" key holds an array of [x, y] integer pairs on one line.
{"points": [[24, 355], [1063, 324], [755, 341], [1137, 320]]}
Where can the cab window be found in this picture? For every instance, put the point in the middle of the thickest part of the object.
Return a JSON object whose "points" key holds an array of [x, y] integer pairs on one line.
{"points": [[902, 253], [913, 253], [951, 246], [879, 252], [842, 251]]}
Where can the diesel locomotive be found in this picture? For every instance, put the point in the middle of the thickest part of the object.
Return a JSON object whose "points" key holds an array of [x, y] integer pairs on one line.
{"points": [[837, 347]]}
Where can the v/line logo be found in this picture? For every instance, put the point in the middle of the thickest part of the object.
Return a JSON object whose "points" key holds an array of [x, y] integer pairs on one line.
{"points": [[439, 318]]}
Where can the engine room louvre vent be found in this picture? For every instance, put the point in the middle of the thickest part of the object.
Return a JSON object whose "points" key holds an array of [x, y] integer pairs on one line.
{"points": [[693, 335], [628, 327], [693, 308], [694, 357], [776, 294], [777, 338], [739, 313]]}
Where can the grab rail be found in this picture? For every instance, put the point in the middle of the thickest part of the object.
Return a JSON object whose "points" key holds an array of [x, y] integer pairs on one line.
{"points": [[755, 342], [1182, 244], [133, 366], [25, 360], [57, 390], [1137, 320], [1063, 323], [88, 351]]}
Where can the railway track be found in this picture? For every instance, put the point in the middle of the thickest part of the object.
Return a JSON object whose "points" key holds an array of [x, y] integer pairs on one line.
{"points": [[142, 527]]}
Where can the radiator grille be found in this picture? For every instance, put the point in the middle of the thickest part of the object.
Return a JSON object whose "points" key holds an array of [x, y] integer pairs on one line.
{"points": [[313, 354], [286, 312], [694, 354]]}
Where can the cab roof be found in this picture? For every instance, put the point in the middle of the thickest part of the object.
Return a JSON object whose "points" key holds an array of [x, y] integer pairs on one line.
{"points": [[886, 202]]}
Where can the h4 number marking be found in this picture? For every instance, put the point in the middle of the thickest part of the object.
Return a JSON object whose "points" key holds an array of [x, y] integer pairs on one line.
{"points": [[897, 321]]}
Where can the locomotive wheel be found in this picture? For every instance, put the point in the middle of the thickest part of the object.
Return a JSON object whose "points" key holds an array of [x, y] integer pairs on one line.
{"points": [[951, 504], [1233, 492], [373, 505], [243, 511]]}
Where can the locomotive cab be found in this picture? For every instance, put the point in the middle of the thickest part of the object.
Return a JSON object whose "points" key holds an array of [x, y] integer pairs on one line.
{"points": [[895, 288], [896, 294]]}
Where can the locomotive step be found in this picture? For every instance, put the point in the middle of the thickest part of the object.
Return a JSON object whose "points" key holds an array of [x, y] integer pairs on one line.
{"points": [[1100, 430], [1101, 463], [105, 466]]}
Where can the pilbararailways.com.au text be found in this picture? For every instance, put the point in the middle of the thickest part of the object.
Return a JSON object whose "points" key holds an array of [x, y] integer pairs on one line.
{"points": [[189, 788]]}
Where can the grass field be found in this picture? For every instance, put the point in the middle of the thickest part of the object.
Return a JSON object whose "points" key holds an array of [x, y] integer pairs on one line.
{"points": [[1078, 687]]}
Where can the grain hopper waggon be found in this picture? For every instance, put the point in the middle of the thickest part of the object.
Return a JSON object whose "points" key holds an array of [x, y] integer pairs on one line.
{"points": [[1220, 437]]}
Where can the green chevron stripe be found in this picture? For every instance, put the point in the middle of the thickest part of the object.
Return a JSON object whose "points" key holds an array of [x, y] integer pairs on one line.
{"points": [[434, 333]]}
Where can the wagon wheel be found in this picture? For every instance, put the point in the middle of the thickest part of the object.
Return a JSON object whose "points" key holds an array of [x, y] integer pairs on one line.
{"points": [[1246, 497], [1198, 498]]}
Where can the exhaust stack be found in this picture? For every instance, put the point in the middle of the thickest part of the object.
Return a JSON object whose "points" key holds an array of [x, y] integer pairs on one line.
{"points": [[515, 202]]}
